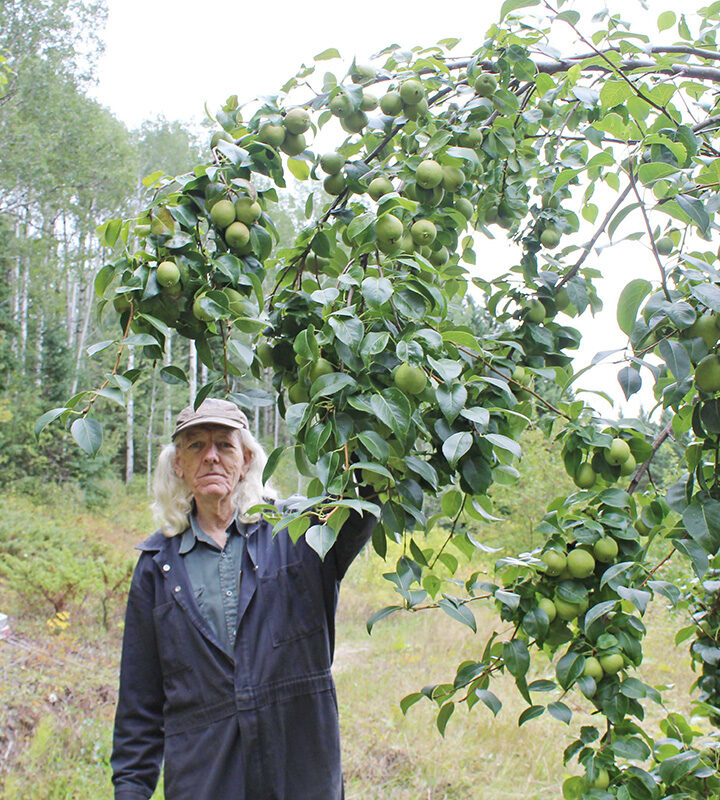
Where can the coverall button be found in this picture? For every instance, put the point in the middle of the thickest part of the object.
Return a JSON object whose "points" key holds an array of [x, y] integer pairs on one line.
{"points": [[177, 589], [166, 567]]}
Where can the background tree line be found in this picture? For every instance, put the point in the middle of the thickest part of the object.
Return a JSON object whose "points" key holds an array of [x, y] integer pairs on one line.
{"points": [[67, 164]]}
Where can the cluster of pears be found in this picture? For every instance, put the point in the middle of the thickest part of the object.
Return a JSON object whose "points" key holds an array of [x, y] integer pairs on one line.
{"points": [[408, 100], [617, 455], [707, 370], [289, 134], [558, 596]]}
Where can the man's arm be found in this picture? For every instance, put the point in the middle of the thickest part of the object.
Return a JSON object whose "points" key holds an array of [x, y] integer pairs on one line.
{"points": [[138, 737], [354, 534]]}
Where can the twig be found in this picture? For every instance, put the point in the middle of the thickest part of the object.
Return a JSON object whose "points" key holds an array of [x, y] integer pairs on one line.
{"points": [[658, 566], [451, 534], [643, 468], [616, 70], [589, 246], [663, 277], [116, 365]]}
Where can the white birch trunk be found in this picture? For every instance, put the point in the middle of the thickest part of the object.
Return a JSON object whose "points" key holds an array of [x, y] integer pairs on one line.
{"points": [[23, 314], [192, 371], [87, 299], [129, 427], [167, 415], [39, 356], [149, 466]]}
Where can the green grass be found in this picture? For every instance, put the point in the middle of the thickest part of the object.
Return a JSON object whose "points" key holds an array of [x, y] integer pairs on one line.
{"points": [[59, 687]]}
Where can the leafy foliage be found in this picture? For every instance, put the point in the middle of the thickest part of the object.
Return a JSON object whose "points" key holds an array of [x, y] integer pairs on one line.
{"points": [[377, 380]]}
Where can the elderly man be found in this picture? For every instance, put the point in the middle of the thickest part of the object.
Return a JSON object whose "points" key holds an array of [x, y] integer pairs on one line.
{"points": [[229, 634]]}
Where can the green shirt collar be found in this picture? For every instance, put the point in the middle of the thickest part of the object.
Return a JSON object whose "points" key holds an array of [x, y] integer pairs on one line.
{"points": [[194, 534]]}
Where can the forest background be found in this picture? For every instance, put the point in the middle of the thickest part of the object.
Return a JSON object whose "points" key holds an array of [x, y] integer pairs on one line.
{"points": [[70, 521]]}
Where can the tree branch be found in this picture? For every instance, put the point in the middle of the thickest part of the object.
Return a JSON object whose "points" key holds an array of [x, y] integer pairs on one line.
{"points": [[589, 246], [663, 277], [643, 468]]}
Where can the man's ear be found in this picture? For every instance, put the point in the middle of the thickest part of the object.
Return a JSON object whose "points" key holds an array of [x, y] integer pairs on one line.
{"points": [[177, 468], [247, 461]]}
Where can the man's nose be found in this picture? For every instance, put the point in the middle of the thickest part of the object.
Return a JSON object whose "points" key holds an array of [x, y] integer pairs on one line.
{"points": [[211, 453]]}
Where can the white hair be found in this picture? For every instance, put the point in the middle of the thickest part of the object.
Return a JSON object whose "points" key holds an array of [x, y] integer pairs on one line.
{"points": [[173, 498]]}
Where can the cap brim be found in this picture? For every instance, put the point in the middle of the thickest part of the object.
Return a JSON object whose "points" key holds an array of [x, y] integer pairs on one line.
{"points": [[222, 421]]}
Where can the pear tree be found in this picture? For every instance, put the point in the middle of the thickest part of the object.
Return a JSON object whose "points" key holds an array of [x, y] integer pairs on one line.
{"points": [[380, 384]]}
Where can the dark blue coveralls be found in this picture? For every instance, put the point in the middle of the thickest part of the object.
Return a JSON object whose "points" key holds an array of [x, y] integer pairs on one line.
{"points": [[261, 724]]}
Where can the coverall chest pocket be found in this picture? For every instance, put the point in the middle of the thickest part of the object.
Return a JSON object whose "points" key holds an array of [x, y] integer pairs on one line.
{"points": [[293, 607], [170, 632]]}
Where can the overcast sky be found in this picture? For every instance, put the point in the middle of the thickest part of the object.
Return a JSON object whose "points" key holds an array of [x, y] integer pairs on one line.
{"points": [[171, 57]]}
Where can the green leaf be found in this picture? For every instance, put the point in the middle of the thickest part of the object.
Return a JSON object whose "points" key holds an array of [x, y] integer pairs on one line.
{"points": [[99, 347], [630, 381], [409, 699], [513, 5], [695, 209], [173, 375], [392, 408], [459, 612], [676, 767], [88, 433], [327, 385], [451, 399], [272, 462], [327, 55], [620, 216], [614, 92], [666, 20], [300, 169], [376, 291], [504, 443], [569, 669], [112, 393], [376, 617], [462, 338], [455, 446], [531, 712], [629, 302], [490, 700], [321, 538], [103, 279], [702, 521], [451, 502], [516, 658], [444, 715], [573, 17], [47, 418], [654, 171], [296, 416], [375, 445], [560, 711], [676, 358], [359, 224], [708, 294]]}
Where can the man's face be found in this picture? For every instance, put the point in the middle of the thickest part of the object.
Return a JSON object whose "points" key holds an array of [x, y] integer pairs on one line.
{"points": [[211, 460]]}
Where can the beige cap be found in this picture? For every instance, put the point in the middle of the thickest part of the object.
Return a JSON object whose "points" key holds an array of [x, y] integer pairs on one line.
{"points": [[212, 411]]}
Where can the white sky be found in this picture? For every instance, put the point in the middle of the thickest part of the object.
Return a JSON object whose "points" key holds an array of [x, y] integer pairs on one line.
{"points": [[170, 57]]}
